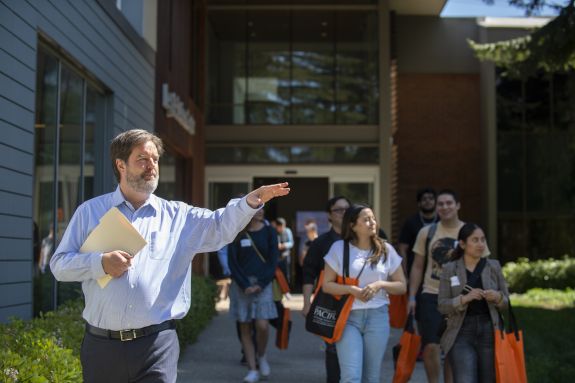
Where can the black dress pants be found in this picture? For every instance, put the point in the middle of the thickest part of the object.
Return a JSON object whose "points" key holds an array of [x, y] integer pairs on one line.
{"points": [[149, 359]]}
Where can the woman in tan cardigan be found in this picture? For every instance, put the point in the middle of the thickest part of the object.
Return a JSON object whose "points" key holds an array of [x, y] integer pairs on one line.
{"points": [[471, 291]]}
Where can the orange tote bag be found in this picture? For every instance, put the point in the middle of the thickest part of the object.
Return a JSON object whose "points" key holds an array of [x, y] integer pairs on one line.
{"points": [[283, 330], [409, 344], [281, 281], [509, 352], [397, 310]]}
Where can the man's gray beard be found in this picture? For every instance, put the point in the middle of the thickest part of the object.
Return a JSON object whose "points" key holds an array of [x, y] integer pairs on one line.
{"points": [[140, 185]]}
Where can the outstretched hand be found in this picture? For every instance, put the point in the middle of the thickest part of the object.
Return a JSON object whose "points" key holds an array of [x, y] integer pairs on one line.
{"points": [[264, 193]]}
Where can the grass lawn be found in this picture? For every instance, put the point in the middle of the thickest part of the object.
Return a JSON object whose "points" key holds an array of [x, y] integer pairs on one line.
{"points": [[547, 318]]}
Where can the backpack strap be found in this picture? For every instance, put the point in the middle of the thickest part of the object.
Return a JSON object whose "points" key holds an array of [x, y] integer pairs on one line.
{"points": [[345, 271], [430, 234]]}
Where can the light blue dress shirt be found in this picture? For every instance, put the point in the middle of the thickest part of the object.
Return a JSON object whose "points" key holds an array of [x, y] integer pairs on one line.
{"points": [[157, 287]]}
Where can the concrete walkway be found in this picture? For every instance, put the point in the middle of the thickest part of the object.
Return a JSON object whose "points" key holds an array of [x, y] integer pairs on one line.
{"points": [[215, 357]]}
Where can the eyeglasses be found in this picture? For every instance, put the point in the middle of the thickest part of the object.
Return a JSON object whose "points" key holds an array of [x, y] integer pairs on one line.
{"points": [[339, 210]]}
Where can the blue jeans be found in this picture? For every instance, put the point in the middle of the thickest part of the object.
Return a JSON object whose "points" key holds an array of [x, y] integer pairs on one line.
{"points": [[362, 345], [472, 356]]}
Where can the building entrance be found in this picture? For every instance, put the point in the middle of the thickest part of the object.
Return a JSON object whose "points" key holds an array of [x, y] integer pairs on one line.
{"points": [[305, 202], [311, 186]]}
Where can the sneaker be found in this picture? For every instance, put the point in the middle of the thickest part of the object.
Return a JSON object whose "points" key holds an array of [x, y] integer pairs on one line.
{"points": [[252, 377], [264, 367]]}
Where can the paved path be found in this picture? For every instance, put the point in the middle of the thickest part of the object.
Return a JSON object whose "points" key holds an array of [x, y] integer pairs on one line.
{"points": [[215, 357]]}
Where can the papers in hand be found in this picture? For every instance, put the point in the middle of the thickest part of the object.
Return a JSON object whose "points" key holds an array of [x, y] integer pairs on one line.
{"points": [[114, 232]]}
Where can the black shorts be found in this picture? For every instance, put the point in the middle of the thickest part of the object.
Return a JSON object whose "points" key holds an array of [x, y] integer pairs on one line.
{"points": [[428, 318]]}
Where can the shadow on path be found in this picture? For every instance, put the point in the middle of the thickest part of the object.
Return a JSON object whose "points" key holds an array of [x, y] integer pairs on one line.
{"points": [[215, 357]]}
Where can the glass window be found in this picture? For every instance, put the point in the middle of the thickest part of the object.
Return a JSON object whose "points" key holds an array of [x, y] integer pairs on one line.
{"points": [[357, 68], [45, 148], [536, 163], [227, 85], [357, 192], [171, 185], [292, 154], [292, 2], [301, 67], [268, 68], [313, 74], [94, 121], [220, 193], [71, 142], [65, 151]]}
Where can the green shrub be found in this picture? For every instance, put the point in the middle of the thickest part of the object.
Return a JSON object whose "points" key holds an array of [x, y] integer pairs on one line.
{"points": [[47, 348], [546, 274], [204, 294], [65, 324], [32, 354], [545, 298]]}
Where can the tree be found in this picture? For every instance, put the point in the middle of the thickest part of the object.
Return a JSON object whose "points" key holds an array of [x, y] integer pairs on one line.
{"points": [[550, 48]]}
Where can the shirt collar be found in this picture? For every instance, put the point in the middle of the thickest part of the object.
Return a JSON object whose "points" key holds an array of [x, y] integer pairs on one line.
{"points": [[118, 199]]}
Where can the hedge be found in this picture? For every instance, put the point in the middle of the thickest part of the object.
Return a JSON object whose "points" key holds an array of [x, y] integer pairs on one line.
{"points": [[524, 274], [47, 348], [545, 298], [204, 294]]}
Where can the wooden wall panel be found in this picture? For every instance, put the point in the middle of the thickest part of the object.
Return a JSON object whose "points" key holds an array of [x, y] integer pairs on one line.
{"points": [[440, 140]]}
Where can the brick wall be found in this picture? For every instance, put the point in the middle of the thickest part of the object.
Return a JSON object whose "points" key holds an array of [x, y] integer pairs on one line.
{"points": [[440, 140]]}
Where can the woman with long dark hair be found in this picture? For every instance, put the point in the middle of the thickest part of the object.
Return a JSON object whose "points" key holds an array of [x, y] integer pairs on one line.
{"points": [[362, 345], [471, 291]]}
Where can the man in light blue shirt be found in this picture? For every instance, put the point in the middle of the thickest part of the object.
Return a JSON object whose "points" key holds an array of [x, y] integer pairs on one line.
{"points": [[152, 288]]}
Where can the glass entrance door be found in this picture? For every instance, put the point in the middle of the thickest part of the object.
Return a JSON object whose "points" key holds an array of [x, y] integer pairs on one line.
{"points": [[305, 202], [311, 187]]}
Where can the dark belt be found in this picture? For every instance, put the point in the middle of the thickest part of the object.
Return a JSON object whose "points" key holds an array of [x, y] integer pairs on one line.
{"points": [[132, 334]]}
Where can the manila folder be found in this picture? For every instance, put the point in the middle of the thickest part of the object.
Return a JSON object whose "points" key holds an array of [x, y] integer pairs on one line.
{"points": [[114, 232]]}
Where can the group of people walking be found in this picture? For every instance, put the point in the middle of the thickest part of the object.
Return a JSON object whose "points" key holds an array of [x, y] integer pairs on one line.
{"points": [[254, 254], [130, 329], [455, 291]]}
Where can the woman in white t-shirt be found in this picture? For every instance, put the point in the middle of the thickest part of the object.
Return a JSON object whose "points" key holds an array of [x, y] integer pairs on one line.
{"points": [[362, 345]]}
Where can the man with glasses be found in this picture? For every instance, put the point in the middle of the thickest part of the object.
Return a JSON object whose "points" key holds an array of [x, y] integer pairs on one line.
{"points": [[313, 265]]}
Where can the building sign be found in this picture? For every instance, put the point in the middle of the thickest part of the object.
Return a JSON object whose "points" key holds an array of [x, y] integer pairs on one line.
{"points": [[175, 109]]}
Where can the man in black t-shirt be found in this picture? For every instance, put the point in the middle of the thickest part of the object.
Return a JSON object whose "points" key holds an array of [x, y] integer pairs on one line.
{"points": [[426, 215], [313, 265]]}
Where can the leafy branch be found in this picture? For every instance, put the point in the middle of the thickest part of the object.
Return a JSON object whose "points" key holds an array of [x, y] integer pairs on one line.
{"points": [[550, 48]]}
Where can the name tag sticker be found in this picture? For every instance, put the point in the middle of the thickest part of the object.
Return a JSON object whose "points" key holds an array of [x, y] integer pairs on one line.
{"points": [[245, 242], [455, 281]]}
